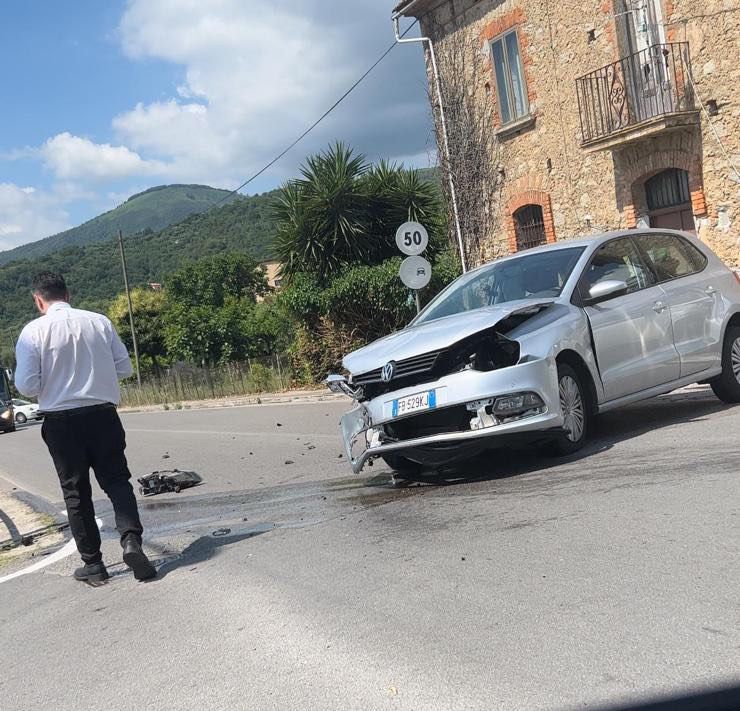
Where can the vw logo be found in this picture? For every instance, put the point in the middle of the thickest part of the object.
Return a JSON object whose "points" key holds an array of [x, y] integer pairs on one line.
{"points": [[386, 375]]}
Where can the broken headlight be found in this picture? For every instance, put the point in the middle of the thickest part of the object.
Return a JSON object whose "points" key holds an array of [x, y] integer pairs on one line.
{"points": [[484, 352]]}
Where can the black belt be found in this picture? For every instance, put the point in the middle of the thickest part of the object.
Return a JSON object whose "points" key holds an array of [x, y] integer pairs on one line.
{"points": [[54, 414]]}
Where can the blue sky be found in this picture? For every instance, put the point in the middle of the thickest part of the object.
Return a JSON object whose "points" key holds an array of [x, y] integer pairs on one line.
{"points": [[103, 99]]}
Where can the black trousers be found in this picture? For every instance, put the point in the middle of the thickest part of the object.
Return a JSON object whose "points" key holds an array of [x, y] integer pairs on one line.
{"points": [[84, 438]]}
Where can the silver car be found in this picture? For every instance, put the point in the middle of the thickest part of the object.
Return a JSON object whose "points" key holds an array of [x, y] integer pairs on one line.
{"points": [[531, 347]]}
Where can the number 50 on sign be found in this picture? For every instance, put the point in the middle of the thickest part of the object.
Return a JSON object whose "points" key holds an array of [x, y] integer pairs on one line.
{"points": [[412, 238]]}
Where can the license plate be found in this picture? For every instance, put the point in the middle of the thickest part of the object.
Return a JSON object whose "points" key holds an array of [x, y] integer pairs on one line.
{"points": [[414, 403]]}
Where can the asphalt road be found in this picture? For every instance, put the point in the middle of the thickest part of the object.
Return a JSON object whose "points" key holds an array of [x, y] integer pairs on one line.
{"points": [[288, 583]]}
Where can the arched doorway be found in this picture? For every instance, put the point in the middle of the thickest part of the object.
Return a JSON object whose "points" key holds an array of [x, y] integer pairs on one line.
{"points": [[529, 225], [669, 200]]}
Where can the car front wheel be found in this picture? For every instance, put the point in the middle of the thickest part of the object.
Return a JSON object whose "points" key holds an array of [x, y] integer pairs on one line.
{"points": [[574, 406], [21, 419], [726, 385]]}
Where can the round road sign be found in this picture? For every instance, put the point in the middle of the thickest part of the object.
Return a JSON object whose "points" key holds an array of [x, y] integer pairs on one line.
{"points": [[415, 272], [412, 238]]}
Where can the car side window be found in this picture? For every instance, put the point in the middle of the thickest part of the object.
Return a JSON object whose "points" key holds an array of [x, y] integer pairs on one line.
{"points": [[618, 260], [696, 256], [669, 256]]}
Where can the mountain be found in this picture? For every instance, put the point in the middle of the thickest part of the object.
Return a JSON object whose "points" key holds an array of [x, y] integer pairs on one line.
{"points": [[152, 210], [93, 271]]}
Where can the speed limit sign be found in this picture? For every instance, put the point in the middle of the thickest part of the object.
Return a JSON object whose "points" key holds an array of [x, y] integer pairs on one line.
{"points": [[412, 238]]}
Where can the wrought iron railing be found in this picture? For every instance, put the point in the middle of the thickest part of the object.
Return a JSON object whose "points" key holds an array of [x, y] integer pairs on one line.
{"points": [[635, 89]]}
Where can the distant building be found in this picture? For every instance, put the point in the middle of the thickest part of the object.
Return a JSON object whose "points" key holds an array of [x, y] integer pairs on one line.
{"points": [[609, 113], [272, 271], [154, 286]]}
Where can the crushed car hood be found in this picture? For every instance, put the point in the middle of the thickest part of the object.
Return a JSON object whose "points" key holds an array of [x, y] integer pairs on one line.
{"points": [[435, 335]]}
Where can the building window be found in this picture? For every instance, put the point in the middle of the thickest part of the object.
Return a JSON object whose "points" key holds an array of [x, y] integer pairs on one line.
{"points": [[667, 189], [510, 85], [529, 224]]}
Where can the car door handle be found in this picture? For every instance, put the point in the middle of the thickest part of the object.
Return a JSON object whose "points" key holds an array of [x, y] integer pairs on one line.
{"points": [[659, 307], [710, 291]]}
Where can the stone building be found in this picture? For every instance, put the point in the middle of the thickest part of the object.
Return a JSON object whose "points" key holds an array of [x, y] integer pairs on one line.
{"points": [[608, 113]]}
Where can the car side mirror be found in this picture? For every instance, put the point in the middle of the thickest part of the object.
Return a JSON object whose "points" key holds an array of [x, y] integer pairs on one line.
{"points": [[604, 290]]}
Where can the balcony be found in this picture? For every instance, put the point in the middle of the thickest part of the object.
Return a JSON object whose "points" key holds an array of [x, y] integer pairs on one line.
{"points": [[636, 97]]}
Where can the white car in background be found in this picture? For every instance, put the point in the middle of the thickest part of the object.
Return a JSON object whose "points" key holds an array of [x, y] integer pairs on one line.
{"points": [[25, 411]]}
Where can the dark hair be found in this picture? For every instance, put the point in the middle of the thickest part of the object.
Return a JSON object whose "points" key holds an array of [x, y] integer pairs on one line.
{"points": [[49, 286]]}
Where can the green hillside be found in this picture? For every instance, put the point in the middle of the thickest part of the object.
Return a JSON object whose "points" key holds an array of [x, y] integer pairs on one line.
{"points": [[154, 209], [93, 272]]}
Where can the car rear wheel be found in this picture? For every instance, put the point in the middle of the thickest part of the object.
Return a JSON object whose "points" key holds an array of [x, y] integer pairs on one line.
{"points": [[21, 419], [726, 385], [576, 414], [402, 466]]}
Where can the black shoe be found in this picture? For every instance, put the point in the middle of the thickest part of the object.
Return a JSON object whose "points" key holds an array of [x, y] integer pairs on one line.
{"points": [[135, 558], [91, 573]]}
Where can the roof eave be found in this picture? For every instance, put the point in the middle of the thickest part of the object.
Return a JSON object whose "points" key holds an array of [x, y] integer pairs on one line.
{"points": [[403, 9]]}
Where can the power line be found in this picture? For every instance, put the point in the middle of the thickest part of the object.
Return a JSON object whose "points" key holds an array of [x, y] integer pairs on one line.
{"points": [[313, 125]]}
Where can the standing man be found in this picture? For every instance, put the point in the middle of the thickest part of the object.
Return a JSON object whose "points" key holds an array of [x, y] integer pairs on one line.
{"points": [[72, 360]]}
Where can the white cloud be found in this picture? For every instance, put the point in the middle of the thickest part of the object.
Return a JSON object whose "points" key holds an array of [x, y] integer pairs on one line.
{"points": [[27, 214], [75, 158], [256, 74]]}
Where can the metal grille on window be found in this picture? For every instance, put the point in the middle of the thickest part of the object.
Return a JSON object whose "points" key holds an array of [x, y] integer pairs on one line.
{"points": [[666, 189], [529, 224]]}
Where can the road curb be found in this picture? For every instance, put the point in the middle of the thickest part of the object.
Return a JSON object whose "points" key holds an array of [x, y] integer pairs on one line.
{"points": [[296, 396]]}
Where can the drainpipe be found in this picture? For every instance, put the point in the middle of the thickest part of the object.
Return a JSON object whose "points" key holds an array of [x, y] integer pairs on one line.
{"points": [[443, 124]]}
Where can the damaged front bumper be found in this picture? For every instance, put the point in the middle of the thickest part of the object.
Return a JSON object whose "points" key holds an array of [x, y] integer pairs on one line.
{"points": [[365, 436]]}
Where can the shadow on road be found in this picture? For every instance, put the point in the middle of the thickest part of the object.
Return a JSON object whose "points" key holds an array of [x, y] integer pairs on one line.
{"points": [[205, 548], [608, 429]]}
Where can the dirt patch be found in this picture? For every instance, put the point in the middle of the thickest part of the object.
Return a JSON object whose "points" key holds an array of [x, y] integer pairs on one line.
{"points": [[23, 531]]}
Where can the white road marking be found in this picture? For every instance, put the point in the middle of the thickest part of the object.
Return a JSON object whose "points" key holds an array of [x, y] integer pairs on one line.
{"points": [[68, 549]]}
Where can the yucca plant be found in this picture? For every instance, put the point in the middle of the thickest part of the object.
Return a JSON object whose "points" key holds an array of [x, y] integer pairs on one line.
{"points": [[343, 212]]}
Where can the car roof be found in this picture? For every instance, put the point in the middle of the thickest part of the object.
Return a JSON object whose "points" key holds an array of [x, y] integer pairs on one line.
{"points": [[588, 241]]}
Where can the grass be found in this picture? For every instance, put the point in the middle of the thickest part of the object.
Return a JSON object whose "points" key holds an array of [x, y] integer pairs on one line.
{"points": [[176, 387]]}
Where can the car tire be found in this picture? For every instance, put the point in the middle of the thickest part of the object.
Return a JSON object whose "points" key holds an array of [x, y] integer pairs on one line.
{"points": [[402, 466], [21, 419], [575, 405], [726, 385]]}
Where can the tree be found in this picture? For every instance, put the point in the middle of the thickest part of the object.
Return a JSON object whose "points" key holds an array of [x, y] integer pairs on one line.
{"points": [[269, 328], [206, 335], [210, 281], [343, 212], [209, 307], [148, 307]]}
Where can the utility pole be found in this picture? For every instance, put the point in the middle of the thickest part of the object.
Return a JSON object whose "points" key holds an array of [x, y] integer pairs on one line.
{"points": [[130, 307]]}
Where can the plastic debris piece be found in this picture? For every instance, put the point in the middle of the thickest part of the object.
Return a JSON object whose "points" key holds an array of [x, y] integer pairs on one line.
{"points": [[172, 480]]}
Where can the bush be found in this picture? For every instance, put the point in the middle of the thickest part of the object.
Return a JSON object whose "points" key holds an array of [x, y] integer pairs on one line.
{"points": [[261, 377], [357, 307]]}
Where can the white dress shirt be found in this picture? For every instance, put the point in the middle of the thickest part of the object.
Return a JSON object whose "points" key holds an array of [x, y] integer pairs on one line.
{"points": [[70, 358]]}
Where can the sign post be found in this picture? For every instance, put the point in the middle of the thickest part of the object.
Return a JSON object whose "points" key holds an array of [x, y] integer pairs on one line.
{"points": [[415, 272]]}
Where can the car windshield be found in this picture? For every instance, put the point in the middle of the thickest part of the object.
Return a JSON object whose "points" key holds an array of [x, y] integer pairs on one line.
{"points": [[534, 276]]}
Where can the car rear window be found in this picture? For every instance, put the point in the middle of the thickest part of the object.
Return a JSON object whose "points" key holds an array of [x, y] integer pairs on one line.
{"points": [[696, 256], [670, 256]]}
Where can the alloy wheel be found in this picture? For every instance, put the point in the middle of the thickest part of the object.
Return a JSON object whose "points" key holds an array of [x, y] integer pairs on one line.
{"points": [[571, 403], [735, 358]]}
